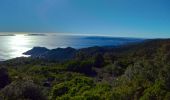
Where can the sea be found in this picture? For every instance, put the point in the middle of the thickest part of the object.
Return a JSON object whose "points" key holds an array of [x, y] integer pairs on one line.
{"points": [[13, 45]]}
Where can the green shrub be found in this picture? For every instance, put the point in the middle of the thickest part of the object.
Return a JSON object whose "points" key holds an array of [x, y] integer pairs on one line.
{"points": [[22, 90], [114, 70], [84, 67], [155, 92], [71, 88]]}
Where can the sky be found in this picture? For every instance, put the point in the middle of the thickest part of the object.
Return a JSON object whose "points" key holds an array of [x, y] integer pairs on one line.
{"points": [[121, 18]]}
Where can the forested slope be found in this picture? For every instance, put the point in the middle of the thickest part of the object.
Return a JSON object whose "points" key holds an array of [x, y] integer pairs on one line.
{"points": [[130, 72]]}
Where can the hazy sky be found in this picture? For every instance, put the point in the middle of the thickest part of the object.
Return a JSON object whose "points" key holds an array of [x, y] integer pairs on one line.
{"points": [[132, 18]]}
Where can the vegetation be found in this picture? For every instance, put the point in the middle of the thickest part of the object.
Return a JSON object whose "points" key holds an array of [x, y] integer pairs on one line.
{"points": [[132, 72]]}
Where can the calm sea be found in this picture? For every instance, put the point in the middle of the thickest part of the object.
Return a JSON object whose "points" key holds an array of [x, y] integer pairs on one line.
{"points": [[14, 45]]}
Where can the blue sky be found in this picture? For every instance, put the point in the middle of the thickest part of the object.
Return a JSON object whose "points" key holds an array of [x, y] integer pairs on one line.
{"points": [[125, 18]]}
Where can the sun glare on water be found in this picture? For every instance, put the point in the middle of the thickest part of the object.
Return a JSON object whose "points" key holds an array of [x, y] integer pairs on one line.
{"points": [[19, 40], [19, 44]]}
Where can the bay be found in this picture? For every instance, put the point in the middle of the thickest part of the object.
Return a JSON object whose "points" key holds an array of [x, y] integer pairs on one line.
{"points": [[13, 45]]}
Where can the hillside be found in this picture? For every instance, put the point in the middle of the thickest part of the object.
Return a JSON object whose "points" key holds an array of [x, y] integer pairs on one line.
{"points": [[129, 72]]}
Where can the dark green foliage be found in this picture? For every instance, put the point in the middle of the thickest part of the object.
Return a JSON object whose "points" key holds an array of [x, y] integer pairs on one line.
{"points": [[82, 88], [167, 96], [98, 60], [114, 70], [59, 90], [165, 75], [72, 88], [22, 90], [155, 92], [131, 72], [4, 78], [81, 67]]}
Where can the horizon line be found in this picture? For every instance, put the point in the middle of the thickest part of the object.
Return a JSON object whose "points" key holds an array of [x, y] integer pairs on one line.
{"points": [[83, 34]]}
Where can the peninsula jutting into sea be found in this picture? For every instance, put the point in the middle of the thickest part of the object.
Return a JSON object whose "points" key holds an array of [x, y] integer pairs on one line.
{"points": [[17, 43]]}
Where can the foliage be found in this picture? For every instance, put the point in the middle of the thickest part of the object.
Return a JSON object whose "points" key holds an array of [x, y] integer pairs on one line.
{"points": [[130, 72], [22, 90], [4, 78]]}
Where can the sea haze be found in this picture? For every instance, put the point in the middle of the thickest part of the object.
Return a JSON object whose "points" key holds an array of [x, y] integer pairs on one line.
{"points": [[13, 45]]}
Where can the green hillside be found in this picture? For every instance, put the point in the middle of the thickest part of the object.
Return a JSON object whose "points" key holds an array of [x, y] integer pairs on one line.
{"points": [[131, 72]]}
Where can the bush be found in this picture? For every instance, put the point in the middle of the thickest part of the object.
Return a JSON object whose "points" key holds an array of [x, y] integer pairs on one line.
{"points": [[114, 70], [4, 78], [22, 90], [72, 88], [84, 67], [155, 92], [59, 90]]}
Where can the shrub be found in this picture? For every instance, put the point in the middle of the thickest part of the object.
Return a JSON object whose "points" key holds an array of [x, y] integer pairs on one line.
{"points": [[4, 78], [155, 92], [22, 90], [114, 70], [84, 67], [72, 88]]}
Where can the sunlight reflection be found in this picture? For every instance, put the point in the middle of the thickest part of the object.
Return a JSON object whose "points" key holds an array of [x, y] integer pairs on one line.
{"points": [[18, 45], [19, 40]]}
